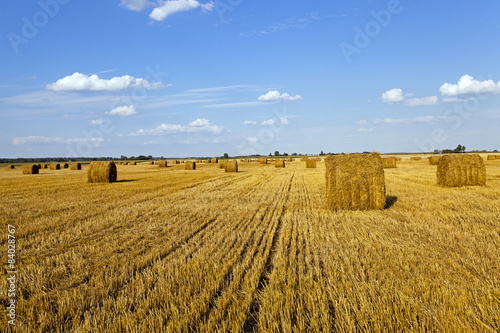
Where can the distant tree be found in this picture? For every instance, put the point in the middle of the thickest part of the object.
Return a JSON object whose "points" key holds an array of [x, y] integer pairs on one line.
{"points": [[321, 154], [285, 154], [132, 157], [270, 154], [447, 151], [294, 154], [123, 157], [459, 149], [150, 157], [276, 153], [226, 155]]}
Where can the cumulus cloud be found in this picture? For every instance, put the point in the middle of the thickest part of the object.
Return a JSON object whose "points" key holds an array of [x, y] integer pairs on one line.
{"points": [[275, 95], [396, 96], [423, 119], [82, 82], [361, 122], [393, 96], [170, 7], [365, 129], [454, 100], [252, 139], [136, 5], [249, 122], [284, 121], [268, 122], [196, 126], [52, 140], [96, 122], [467, 85], [124, 111]]}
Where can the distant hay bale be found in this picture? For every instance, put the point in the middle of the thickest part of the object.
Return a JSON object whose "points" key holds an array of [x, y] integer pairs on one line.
{"points": [[310, 164], [55, 166], [65, 166], [12, 166], [30, 169], [45, 166], [433, 160], [263, 160], [398, 158], [303, 159], [415, 158], [246, 160], [491, 157], [222, 164], [279, 163], [389, 162], [289, 159], [177, 162], [133, 163], [231, 166], [75, 166], [355, 182], [151, 162], [162, 163], [461, 170], [214, 160], [126, 163], [497, 157], [102, 172], [190, 165], [39, 166]]}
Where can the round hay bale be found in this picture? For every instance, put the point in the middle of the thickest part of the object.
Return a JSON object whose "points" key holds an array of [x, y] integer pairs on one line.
{"points": [[461, 170], [133, 163], [30, 169], [190, 165], [222, 164], [433, 160], [151, 162], [75, 166], [415, 158], [491, 157], [214, 160], [231, 166], [102, 172], [389, 162], [310, 164], [497, 157], [289, 159], [162, 163], [355, 182], [279, 163], [55, 166], [39, 166], [65, 166], [177, 162], [12, 166], [263, 160]]}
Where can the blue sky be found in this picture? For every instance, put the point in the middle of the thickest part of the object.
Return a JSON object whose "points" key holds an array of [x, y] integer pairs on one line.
{"points": [[201, 78]]}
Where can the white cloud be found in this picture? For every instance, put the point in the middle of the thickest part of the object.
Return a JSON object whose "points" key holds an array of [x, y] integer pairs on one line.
{"points": [[252, 139], [365, 129], [454, 100], [45, 140], [216, 141], [393, 96], [82, 82], [96, 122], [232, 105], [197, 126], [125, 110], [170, 7], [361, 122], [136, 5], [152, 142], [423, 119], [284, 121], [200, 122], [432, 100], [268, 122], [249, 122], [274, 95], [467, 85]]}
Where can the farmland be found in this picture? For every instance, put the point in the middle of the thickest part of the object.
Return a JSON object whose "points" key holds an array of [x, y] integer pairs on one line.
{"points": [[174, 250]]}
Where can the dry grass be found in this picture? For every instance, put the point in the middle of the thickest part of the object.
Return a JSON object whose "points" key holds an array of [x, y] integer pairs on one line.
{"points": [[310, 163], [389, 162], [30, 169], [102, 172], [75, 166], [253, 251], [190, 165], [231, 166], [355, 182], [461, 170]]}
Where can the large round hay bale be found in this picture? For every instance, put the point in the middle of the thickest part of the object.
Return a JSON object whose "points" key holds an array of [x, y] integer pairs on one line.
{"points": [[102, 172], [55, 166], [65, 166], [75, 166], [461, 170], [415, 158], [231, 166], [39, 166], [279, 163], [433, 160], [162, 163], [310, 163], [190, 165], [355, 182], [222, 164], [491, 157], [389, 162], [263, 160], [30, 169], [133, 163], [214, 160], [12, 166]]}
